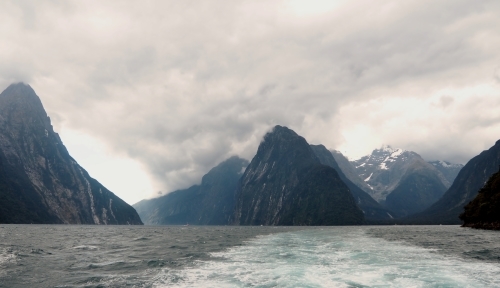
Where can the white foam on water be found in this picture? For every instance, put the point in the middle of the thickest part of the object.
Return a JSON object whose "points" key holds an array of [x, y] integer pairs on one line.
{"points": [[6, 256], [331, 257], [85, 247]]}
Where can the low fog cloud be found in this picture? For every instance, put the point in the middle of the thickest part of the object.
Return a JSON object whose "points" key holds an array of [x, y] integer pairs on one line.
{"points": [[181, 85]]}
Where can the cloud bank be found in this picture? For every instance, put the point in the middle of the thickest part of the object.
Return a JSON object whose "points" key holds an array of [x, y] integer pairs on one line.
{"points": [[178, 86]]}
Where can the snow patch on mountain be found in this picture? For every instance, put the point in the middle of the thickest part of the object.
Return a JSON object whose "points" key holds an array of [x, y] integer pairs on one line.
{"points": [[444, 164], [368, 179], [396, 153], [387, 148]]}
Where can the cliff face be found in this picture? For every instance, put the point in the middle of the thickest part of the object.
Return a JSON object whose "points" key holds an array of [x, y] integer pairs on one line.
{"points": [[484, 211], [211, 203], [372, 210], [39, 181], [468, 182], [285, 184]]}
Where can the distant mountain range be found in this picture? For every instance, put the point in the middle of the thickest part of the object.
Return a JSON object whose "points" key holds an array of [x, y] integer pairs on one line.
{"points": [[210, 203], [39, 181], [284, 184], [288, 182], [384, 168], [402, 181]]}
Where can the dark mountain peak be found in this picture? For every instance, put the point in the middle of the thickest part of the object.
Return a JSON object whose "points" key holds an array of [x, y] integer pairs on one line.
{"points": [[282, 144], [19, 87], [19, 92], [39, 181], [282, 180], [281, 133], [19, 105], [282, 129]]}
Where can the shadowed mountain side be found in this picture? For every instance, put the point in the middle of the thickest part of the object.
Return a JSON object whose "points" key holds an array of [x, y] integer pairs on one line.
{"points": [[468, 182], [321, 199], [418, 189], [372, 210], [349, 171], [285, 172], [210, 203], [39, 181], [174, 208], [484, 211]]}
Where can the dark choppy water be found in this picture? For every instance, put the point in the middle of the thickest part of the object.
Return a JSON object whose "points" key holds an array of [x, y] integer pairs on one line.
{"points": [[175, 256]]}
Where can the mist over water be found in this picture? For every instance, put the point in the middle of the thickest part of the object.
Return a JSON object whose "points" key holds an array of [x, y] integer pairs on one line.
{"points": [[170, 256]]}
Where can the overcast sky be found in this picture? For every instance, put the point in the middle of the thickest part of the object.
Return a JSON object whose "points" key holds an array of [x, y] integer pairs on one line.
{"points": [[149, 95]]}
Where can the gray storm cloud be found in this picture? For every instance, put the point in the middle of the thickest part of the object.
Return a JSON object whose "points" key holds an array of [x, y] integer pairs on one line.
{"points": [[182, 85]]}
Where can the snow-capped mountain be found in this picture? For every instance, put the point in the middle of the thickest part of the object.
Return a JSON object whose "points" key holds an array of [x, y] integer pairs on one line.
{"points": [[384, 168]]}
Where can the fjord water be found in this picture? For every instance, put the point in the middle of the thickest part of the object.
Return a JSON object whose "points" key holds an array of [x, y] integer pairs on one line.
{"points": [[204, 256]]}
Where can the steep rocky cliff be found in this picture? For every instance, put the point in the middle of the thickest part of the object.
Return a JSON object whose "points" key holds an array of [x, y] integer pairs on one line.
{"points": [[484, 211], [372, 210], [210, 203], [285, 184], [39, 181], [468, 182]]}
